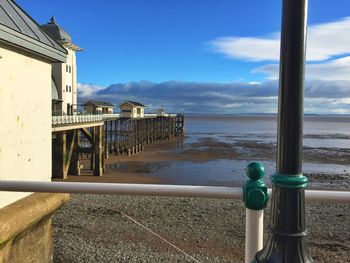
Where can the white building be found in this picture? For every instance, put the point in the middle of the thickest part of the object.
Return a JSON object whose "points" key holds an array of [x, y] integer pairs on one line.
{"points": [[26, 57], [132, 109], [98, 107], [64, 75]]}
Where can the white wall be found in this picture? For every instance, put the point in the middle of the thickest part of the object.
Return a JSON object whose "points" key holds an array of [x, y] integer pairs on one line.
{"points": [[74, 81], [64, 78], [68, 80], [25, 119]]}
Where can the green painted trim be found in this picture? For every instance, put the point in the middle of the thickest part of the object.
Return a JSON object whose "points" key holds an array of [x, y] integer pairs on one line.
{"points": [[255, 194], [289, 181]]}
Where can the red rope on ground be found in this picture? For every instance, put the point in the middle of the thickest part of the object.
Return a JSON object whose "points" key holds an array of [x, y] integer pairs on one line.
{"points": [[160, 237]]}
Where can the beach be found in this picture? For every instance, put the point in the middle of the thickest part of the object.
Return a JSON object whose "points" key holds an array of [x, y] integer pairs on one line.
{"points": [[100, 228]]}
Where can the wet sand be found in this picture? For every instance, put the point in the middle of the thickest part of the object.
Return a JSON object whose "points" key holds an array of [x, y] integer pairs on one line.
{"points": [[141, 167]]}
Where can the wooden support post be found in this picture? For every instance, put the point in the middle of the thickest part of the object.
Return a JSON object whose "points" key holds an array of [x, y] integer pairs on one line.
{"points": [[92, 159], [74, 168], [71, 138], [98, 149], [112, 137], [105, 139], [116, 137], [59, 155], [87, 134], [133, 136]]}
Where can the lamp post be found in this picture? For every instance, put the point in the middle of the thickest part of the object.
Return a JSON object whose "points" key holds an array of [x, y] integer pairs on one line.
{"points": [[287, 238]]}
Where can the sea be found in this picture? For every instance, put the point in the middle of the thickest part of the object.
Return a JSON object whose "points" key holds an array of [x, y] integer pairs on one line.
{"points": [[322, 134]]}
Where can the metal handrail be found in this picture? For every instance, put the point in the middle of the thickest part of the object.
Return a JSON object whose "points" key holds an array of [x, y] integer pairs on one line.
{"points": [[219, 192], [254, 218]]}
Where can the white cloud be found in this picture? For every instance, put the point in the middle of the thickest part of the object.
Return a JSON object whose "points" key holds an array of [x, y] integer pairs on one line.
{"points": [[324, 42], [334, 70], [87, 90], [251, 49]]}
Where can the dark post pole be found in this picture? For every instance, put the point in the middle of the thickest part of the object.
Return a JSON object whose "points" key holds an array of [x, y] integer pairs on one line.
{"points": [[287, 239]]}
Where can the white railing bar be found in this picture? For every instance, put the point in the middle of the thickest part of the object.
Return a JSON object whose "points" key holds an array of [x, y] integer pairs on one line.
{"points": [[157, 190], [327, 196], [123, 189]]}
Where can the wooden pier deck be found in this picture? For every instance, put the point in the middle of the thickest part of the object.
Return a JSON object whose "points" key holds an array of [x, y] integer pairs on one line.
{"points": [[93, 138]]}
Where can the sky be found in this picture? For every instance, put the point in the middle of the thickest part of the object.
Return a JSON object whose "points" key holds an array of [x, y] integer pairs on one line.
{"points": [[204, 56]]}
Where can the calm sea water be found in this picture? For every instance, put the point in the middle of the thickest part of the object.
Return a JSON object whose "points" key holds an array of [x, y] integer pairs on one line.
{"points": [[318, 131], [322, 133]]}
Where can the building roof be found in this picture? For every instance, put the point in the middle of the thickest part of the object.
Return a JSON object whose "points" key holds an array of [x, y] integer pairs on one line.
{"points": [[56, 31], [59, 34], [99, 103], [133, 103], [17, 28]]}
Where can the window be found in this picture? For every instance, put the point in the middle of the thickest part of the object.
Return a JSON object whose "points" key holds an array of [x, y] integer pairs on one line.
{"points": [[70, 69], [66, 88], [138, 111], [70, 88], [128, 111], [66, 68]]}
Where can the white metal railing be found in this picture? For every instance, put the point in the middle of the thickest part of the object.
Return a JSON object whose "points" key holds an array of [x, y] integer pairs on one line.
{"points": [[110, 115], [122, 189], [254, 218], [157, 190], [71, 119]]}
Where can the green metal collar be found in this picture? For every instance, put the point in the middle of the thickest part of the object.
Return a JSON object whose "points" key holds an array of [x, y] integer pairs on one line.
{"points": [[289, 181]]}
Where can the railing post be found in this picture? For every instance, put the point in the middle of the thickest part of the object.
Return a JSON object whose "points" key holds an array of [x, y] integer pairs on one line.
{"points": [[255, 197]]}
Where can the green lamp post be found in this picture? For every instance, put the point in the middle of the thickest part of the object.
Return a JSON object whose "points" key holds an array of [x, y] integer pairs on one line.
{"points": [[286, 242]]}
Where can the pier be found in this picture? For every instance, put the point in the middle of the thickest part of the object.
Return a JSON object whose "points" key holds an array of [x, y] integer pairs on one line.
{"points": [[87, 140]]}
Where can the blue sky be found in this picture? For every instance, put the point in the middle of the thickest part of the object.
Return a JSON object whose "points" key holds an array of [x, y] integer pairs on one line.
{"points": [[202, 48]]}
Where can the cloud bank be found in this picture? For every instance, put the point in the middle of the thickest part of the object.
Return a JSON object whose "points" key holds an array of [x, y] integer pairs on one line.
{"points": [[322, 97]]}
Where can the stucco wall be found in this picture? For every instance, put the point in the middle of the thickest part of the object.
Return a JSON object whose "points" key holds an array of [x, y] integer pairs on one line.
{"points": [[25, 119]]}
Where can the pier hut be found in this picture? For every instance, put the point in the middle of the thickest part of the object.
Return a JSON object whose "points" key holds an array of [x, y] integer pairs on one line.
{"points": [[160, 112], [132, 109], [27, 53], [98, 107], [64, 75]]}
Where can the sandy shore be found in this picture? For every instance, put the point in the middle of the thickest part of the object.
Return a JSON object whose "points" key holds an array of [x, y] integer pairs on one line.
{"points": [[92, 228]]}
